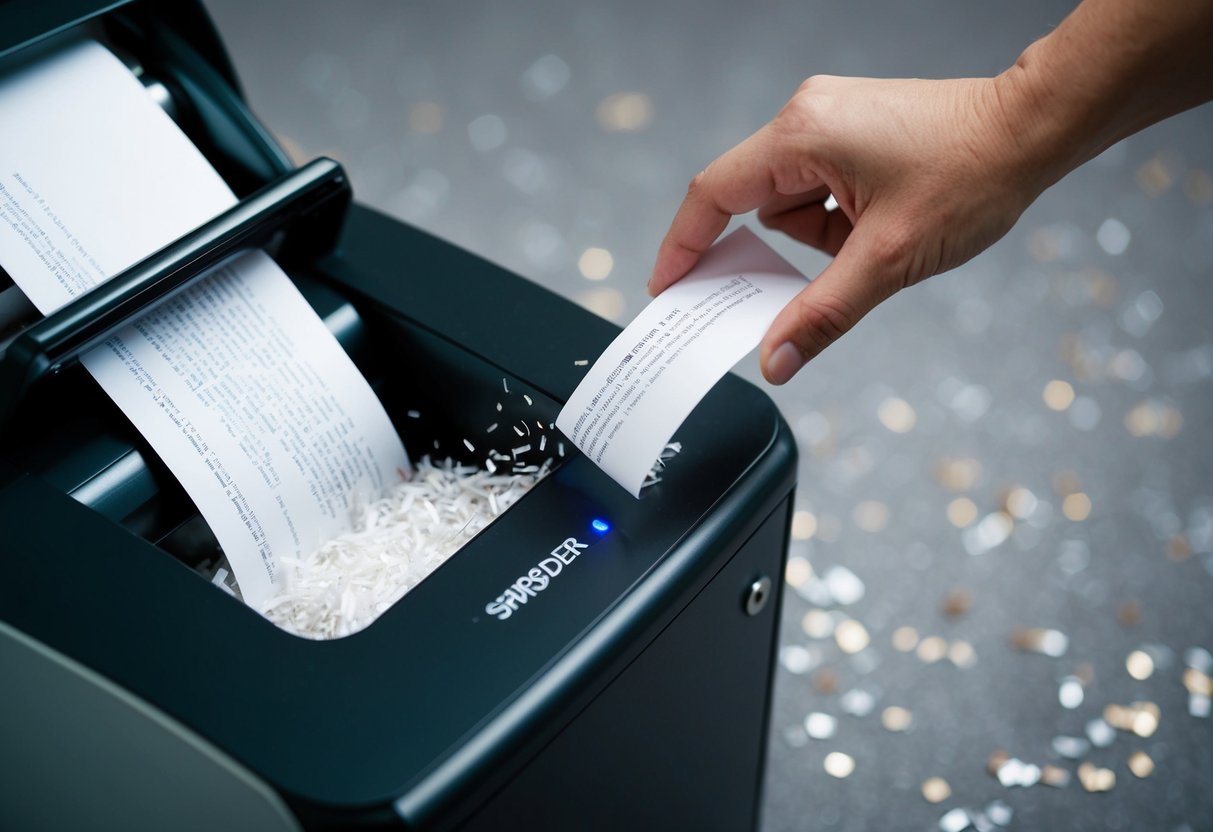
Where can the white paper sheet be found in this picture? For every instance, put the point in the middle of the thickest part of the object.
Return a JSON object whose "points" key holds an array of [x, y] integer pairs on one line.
{"points": [[93, 175], [257, 410], [650, 378], [235, 382]]}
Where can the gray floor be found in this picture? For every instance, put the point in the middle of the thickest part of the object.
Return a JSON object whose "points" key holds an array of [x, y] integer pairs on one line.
{"points": [[490, 125]]}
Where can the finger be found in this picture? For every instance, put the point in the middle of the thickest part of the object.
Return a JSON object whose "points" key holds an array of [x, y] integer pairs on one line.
{"points": [[849, 288], [739, 181], [812, 225], [780, 203]]}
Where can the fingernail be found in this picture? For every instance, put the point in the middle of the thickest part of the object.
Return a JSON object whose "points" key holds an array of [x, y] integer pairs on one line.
{"points": [[784, 362]]}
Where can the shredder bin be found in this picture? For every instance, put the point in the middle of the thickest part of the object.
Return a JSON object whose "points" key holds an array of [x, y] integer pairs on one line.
{"points": [[633, 693]]}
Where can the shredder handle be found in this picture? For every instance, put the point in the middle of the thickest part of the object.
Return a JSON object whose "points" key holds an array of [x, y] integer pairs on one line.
{"points": [[305, 208]]}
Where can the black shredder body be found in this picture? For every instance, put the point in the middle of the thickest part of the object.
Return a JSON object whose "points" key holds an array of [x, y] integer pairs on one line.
{"points": [[633, 693]]}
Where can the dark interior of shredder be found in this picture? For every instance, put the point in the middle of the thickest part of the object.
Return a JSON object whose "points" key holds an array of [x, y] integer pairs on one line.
{"points": [[436, 393]]}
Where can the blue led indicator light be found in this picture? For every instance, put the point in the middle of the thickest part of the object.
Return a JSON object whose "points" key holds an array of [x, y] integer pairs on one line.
{"points": [[599, 525]]}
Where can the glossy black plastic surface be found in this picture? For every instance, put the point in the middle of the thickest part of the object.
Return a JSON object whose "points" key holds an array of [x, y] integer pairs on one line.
{"points": [[361, 720], [308, 203], [436, 705]]}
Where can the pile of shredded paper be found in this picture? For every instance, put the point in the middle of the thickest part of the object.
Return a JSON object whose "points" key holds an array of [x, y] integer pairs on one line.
{"points": [[348, 582], [399, 540]]}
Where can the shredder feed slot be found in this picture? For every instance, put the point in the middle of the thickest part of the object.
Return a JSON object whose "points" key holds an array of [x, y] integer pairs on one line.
{"points": [[304, 208]]}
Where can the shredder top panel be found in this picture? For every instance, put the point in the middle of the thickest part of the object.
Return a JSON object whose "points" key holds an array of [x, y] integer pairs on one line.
{"points": [[354, 721], [358, 721]]}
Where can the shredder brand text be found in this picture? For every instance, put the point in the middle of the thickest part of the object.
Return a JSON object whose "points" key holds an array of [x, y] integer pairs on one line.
{"points": [[536, 580]]}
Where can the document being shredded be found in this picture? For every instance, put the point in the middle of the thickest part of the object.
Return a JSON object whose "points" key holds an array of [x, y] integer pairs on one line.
{"points": [[236, 383], [645, 384], [93, 175]]}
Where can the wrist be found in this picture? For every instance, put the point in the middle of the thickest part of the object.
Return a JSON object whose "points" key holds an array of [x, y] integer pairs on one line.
{"points": [[1109, 69], [1054, 123]]}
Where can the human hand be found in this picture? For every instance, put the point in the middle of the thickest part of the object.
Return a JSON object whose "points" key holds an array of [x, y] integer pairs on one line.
{"points": [[926, 174]]}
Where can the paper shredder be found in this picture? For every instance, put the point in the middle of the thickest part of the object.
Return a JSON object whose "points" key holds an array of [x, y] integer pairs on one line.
{"points": [[632, 694]]}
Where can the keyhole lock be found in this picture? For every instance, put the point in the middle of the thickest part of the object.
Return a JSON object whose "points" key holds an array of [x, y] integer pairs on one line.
{"points": [[757, 595]]}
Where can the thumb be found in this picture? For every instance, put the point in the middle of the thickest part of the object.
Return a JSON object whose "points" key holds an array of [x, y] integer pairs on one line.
{"points": [[849, 288]]}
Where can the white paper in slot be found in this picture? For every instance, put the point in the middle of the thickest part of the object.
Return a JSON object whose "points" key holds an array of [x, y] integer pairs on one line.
{"points": [[652, 375], [236, 383], [93, 175]]}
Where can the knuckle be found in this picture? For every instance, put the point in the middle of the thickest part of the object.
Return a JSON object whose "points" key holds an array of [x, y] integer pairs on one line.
{"points": [[696, 183], [807, 109], [891, 248], [797, 116], [813, 83], [823, 320]]}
